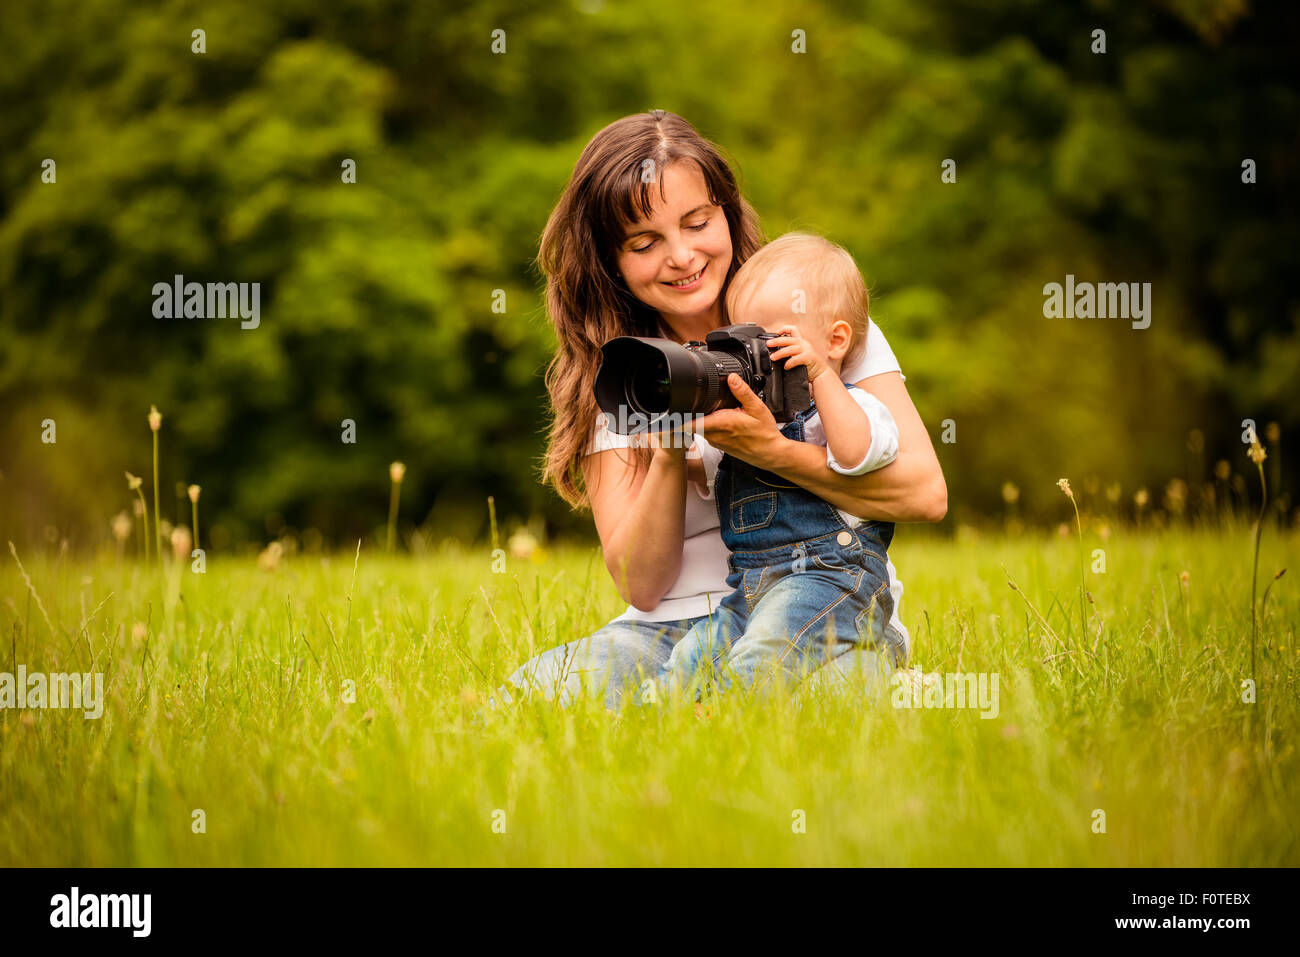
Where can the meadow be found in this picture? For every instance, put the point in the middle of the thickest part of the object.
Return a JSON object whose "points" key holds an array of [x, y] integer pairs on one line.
{"points": [[330, 709]]}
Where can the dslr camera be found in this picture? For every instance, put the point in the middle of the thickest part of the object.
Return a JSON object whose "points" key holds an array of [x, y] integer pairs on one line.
{"points": [[649, 385]]}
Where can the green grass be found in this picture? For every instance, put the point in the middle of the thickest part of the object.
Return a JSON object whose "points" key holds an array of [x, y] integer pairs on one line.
{"points": [[231, 702]]}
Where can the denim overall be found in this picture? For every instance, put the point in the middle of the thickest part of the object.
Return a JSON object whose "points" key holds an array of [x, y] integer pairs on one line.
{"points": [[805, 586]]}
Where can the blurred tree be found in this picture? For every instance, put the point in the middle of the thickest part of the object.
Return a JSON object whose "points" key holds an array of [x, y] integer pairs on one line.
{"points": [[377, 296]]}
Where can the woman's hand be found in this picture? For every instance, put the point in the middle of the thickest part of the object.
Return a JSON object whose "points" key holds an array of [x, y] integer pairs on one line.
{"points": [[668, 440], [675, 446], [749, 433]]}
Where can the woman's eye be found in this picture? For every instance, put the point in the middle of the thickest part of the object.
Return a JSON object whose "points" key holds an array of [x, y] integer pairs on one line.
{"points": [[650, 245]]}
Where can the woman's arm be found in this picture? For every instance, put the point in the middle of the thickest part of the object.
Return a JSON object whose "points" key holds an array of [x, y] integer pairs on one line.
{"points": [[641, 520], [909, 489]]}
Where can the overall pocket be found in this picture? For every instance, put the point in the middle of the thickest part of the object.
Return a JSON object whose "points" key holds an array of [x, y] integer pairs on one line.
{"points": [[835, 563], [753, 511]]}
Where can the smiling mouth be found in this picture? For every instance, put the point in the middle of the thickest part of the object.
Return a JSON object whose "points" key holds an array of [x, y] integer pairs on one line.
{"points": [[689, 280]]}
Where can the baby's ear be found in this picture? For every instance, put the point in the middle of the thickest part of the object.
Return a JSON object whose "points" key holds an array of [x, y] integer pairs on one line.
{"points": [[841, 338]]}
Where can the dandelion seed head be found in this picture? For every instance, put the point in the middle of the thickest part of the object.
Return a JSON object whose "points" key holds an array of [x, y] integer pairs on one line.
{"points": [[522, 543], [1176, 495], [269, 559], [182, 542]]}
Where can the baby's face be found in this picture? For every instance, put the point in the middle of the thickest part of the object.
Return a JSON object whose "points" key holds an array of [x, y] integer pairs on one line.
{"points": [[773, 303]]}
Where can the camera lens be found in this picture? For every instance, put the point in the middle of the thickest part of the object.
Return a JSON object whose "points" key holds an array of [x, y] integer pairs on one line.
{"points": [[649, 387], [714, 392], [649, 379]]}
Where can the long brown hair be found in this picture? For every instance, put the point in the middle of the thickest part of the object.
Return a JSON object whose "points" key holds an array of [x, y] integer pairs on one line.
{"points": [[586, 299]]}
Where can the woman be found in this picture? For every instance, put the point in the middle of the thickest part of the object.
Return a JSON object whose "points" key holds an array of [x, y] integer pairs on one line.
{"points": [[643, 242]]}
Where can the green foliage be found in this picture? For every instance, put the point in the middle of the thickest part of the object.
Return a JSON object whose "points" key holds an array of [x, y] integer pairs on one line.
{"points": [[376, 296]]}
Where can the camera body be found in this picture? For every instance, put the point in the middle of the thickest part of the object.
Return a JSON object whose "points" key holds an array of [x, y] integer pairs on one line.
{"points": [[785, 392], [649, 385]]}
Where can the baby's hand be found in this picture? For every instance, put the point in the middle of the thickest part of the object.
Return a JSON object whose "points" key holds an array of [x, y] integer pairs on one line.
{"points": [[796, 350]]}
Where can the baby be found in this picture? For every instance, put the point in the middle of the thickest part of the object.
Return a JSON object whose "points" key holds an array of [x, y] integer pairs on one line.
{"points": [[809, 580]]}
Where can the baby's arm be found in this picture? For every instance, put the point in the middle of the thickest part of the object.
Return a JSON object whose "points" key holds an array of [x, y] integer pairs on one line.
{"points": [[858, 427], [855, 426], [846, 424]]}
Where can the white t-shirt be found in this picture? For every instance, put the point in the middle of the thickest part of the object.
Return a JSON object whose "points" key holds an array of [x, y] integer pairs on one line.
{"points": [[702, 582]]}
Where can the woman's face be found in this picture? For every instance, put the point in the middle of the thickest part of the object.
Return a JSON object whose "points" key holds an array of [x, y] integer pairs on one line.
{"points": [[675, 260]]}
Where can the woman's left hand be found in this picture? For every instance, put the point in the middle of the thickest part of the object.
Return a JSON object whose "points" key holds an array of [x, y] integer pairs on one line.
{"points": [[749, 433]]}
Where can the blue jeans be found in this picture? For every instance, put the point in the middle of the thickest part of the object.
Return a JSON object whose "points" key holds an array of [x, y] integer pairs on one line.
{"points": [[787, 617], [618, 658], [613, 661]]}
